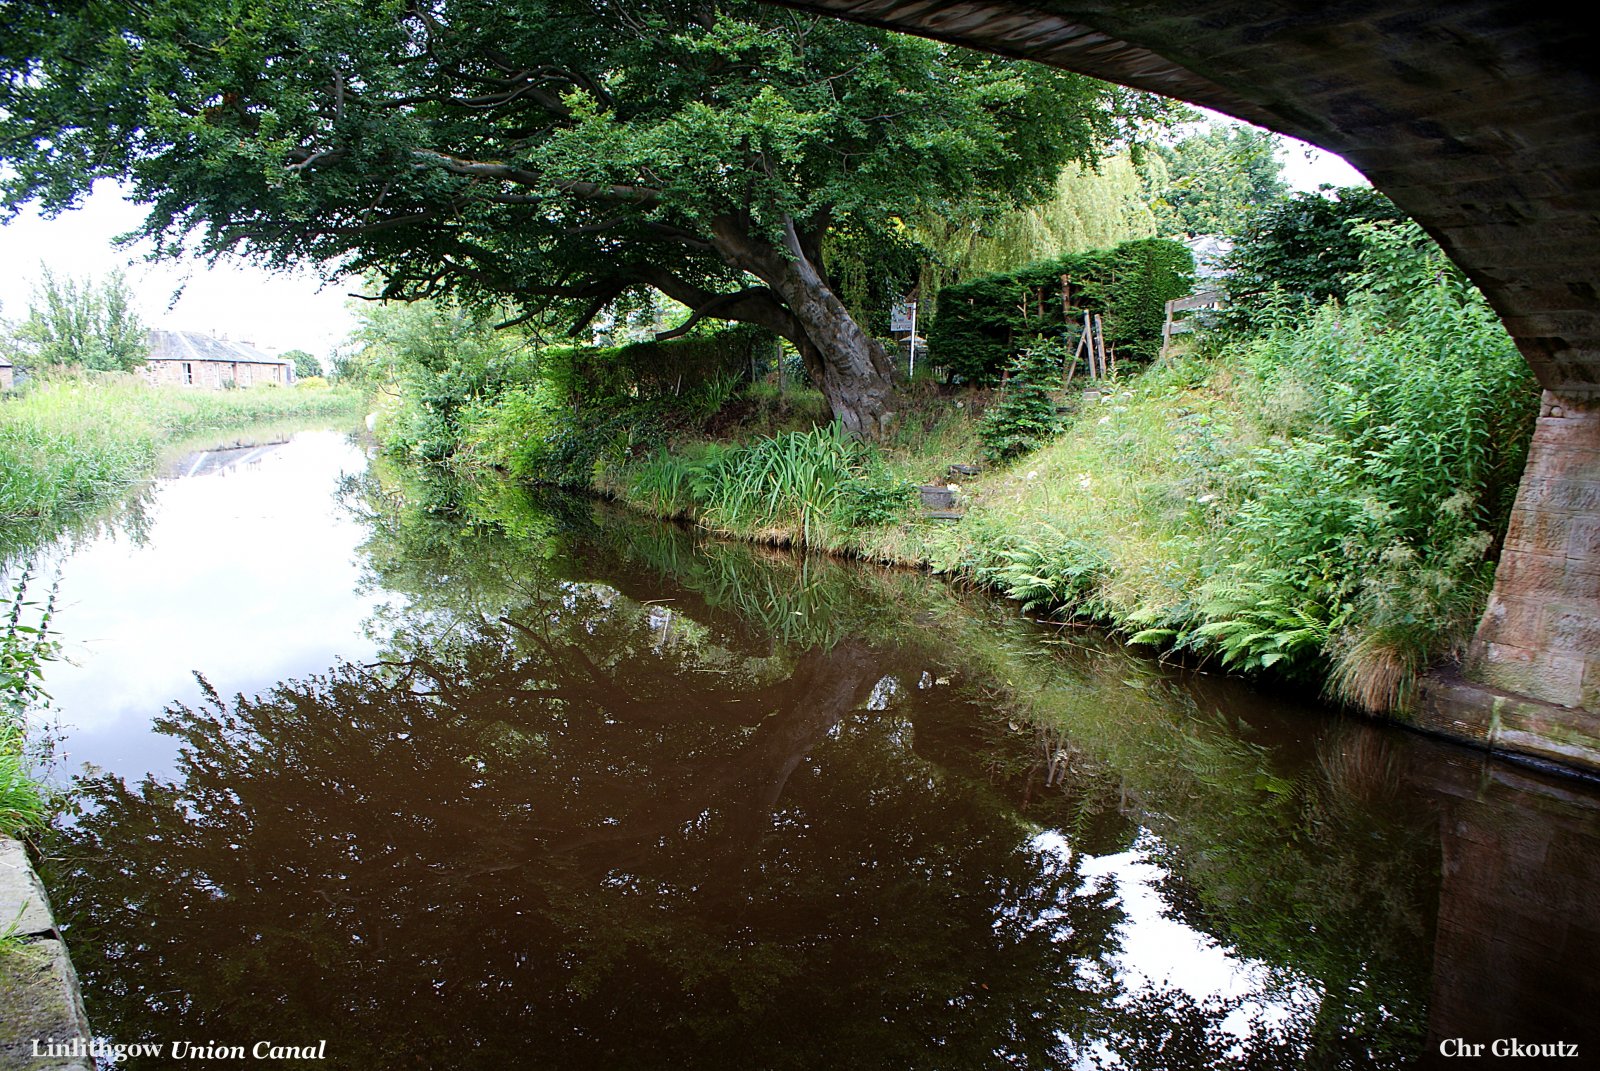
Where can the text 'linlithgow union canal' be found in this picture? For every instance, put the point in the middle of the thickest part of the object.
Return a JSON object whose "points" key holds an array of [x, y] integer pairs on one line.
{"points": [[115, 1053]]}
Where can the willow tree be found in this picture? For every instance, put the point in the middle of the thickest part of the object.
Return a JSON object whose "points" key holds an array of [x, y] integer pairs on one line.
{"points": [[563, 155]]}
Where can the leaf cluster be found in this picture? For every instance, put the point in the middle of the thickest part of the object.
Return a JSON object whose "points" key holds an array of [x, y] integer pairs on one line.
{"points": [[557, 152], [1024, 418], [80, 323], [1299, 252]]}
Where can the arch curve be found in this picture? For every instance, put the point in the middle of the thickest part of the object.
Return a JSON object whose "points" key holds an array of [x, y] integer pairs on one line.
{"points": [[1481, 119]]}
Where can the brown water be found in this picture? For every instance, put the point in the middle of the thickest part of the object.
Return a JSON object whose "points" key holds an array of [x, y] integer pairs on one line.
{"points": [[537, 785]]}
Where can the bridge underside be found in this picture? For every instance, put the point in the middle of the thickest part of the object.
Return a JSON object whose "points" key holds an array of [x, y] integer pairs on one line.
{"points": [[1482, 120]]}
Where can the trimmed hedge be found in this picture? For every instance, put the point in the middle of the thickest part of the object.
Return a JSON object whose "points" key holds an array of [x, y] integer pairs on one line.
{"points": [[984, 323], [652, 369]]}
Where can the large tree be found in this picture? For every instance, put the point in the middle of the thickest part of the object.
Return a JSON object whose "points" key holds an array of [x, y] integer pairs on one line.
{"points": [[574, 152], [80, 323], [1217, 178]]}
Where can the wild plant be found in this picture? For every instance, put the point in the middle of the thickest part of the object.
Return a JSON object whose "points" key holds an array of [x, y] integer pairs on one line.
{"points": [[1399, 424], [1024, 418], [26, 646]]}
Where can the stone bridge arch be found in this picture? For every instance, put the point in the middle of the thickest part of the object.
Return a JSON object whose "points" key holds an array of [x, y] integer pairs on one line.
{"points": [[1480, 118]]}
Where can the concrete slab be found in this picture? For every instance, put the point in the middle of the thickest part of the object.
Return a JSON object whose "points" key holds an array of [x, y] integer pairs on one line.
{"points": [[23, 903]]}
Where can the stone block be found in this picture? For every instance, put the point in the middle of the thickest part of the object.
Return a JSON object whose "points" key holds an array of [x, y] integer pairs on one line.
{"points": [[1553, 677], [1524, 575], [22, 897], [40, 998], [1583, 539], [1572, 629], [1570, 495], [1540, 532]]}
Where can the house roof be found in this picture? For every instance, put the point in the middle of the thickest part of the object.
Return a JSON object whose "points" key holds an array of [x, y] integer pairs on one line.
{"points": [[198, 346]]}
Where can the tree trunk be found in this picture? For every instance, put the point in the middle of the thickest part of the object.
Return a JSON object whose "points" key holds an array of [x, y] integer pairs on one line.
{"points": [[850, 366]]}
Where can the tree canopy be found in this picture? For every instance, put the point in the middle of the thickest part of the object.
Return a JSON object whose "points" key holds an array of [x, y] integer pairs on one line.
{"points": [[564, 155], [79, 322], [1217, 178], [306, 364]]}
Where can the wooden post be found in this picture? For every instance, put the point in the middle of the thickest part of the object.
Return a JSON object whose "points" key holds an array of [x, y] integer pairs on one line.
{"points": [[1072, 366], [1088, 333]]}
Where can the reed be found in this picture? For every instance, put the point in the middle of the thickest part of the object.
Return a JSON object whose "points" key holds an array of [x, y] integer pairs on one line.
{"points": [[74, 442]]}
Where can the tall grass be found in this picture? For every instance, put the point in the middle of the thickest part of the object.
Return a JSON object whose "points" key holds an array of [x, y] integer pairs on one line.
{"points": [[26, 645], [795, 487], [70, 443]]}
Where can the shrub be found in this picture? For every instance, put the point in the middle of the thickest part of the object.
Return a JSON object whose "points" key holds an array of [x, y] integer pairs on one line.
{"points": [[874, 498], [1368, 519], [1300, 252], [1024, 418], [785, 486]]}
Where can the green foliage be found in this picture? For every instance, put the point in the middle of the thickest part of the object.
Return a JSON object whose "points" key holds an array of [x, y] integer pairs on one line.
{"points": [[579, 408], [1048, 570], [1367, 521], [771, 482], [26, 647], [444, 359], [875, 497], [1025, 418], [1324, 498], [80, 323], [788, 487], [306, 366], [1301, 251], [680, 148], [1090, 206], [1215, 180], [985, 322], [22, 801]]}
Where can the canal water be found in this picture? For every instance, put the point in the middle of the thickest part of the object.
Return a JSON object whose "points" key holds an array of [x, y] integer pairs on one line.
{"points": [[454, 776]]}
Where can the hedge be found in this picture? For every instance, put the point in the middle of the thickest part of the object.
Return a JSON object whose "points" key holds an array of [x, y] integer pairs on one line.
{"points": [[985, 322]]}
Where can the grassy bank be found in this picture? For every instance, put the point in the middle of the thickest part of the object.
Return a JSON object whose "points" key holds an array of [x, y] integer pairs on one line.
{"points": [[68, 444], [1323, 500], [1261, 507], [1314, 492]]}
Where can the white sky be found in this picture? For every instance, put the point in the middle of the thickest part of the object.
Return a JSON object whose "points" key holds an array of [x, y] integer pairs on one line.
{"points": [[278, 312]]}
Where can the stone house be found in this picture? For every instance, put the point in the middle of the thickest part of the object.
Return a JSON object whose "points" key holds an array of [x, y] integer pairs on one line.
{"points": [[195, 359], [7, 374]]}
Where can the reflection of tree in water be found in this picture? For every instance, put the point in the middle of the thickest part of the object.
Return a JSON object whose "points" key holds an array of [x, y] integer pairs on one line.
{"points": [[489, 857], [555, 826]]}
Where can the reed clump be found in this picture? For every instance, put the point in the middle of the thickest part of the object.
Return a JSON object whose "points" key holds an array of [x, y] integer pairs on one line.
{"points": [[71, 442]]}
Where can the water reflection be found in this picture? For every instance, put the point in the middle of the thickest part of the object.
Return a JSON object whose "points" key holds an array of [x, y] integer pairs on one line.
{"points": [[608, 797]]}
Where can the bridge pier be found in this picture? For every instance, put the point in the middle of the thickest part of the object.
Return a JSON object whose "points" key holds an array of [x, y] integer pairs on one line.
{"points": [[1532, 674]]}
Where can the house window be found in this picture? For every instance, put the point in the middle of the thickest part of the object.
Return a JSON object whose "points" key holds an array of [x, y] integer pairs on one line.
{"points": [[188, 372]]}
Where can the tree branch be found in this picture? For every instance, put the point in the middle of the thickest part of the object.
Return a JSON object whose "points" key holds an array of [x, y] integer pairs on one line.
{"points": [[599, 191]]}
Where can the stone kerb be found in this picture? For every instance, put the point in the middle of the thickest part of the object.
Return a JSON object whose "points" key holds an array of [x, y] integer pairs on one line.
{"points": [[39, 997]]}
